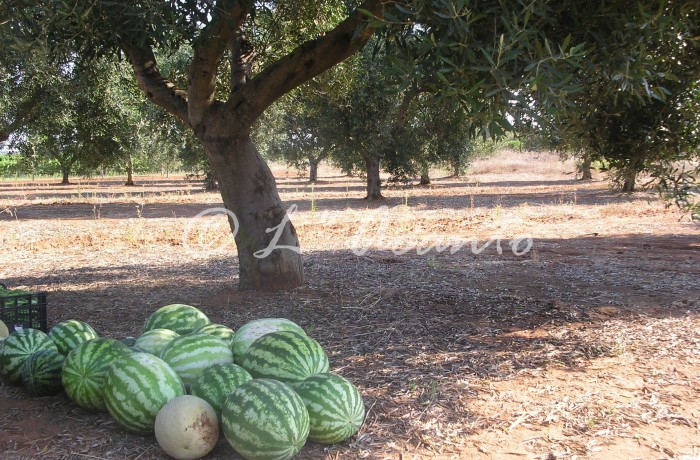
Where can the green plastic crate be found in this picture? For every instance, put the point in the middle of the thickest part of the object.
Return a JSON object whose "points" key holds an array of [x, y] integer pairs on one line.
{"points": [[24, 310]]}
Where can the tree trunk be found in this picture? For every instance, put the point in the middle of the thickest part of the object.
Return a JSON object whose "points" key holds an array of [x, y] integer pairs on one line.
{"points": [[374, 183], [249, 191], [456, 167], [129, 171], [313, 169], [65, 171], [424, 175], [629, 179], [585, 167]]}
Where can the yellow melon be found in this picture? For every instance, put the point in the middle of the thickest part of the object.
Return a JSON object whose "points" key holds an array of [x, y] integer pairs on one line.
{"points": [[187, 427], [4, 332]]}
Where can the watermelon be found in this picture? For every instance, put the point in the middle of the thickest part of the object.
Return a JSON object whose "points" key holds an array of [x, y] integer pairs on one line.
{"points": [[180, 318], [84, 371], [218, 330], [17, 347], [286, 356], [71, 333], [249, 332], [41, 372], [136, 386], [216, 382], [155, 340], [265, 419], [128, 341], [189, 355], [336, 409]]}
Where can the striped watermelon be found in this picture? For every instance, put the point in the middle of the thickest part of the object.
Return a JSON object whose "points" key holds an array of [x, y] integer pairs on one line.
{"points": [[41, 372], [216, 382], [249, 332], [155, 340], [136, 386], [17, 347], [336, 409], [189, 355], [71, 333], [177, 317], [286, 356], [265, 419], [84, 371], [218, 330]]}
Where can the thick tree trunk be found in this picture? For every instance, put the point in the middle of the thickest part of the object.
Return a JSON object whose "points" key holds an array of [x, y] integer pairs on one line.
{"points": [[313, 169], [374, 183], [65, 171], [585, 167], [129, 171], [424, 175], [249, 191]]}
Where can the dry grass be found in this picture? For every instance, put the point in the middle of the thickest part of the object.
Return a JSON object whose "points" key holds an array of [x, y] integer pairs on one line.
{"points": [[584, 347], [522, 164]]}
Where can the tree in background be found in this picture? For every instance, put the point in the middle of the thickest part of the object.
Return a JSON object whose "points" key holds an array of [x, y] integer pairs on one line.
{"points": [[302, 128], [634, 109], [76, 124]]}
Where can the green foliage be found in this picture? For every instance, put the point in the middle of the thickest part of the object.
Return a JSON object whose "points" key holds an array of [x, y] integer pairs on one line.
{"points": [[607, 68], [9, 166], [639, 114]]}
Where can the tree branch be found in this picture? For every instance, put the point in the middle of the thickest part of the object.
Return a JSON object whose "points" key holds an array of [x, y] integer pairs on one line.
{"points": [[158, 89], [305, 62], [242, 57], [208, 51]]}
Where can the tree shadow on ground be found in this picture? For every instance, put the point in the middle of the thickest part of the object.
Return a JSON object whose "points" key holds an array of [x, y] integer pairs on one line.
{"points": [[417, 202]]}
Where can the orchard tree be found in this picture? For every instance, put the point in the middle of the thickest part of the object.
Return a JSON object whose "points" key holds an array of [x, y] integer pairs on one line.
{"points": [[76, 125], [480, 52], [302, 128], [292, 51], [635, 110]]}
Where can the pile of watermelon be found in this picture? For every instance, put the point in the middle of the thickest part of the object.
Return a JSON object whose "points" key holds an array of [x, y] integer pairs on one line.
{"points": [[266, 386]]}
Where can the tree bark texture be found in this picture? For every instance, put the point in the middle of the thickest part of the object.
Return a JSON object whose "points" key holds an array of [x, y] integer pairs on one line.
{"points": [[249, 191], [374, 182], [313, 170]]}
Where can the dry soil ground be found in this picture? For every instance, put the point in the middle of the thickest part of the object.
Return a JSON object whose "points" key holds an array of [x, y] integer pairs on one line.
{"points": [[587, 345]]}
